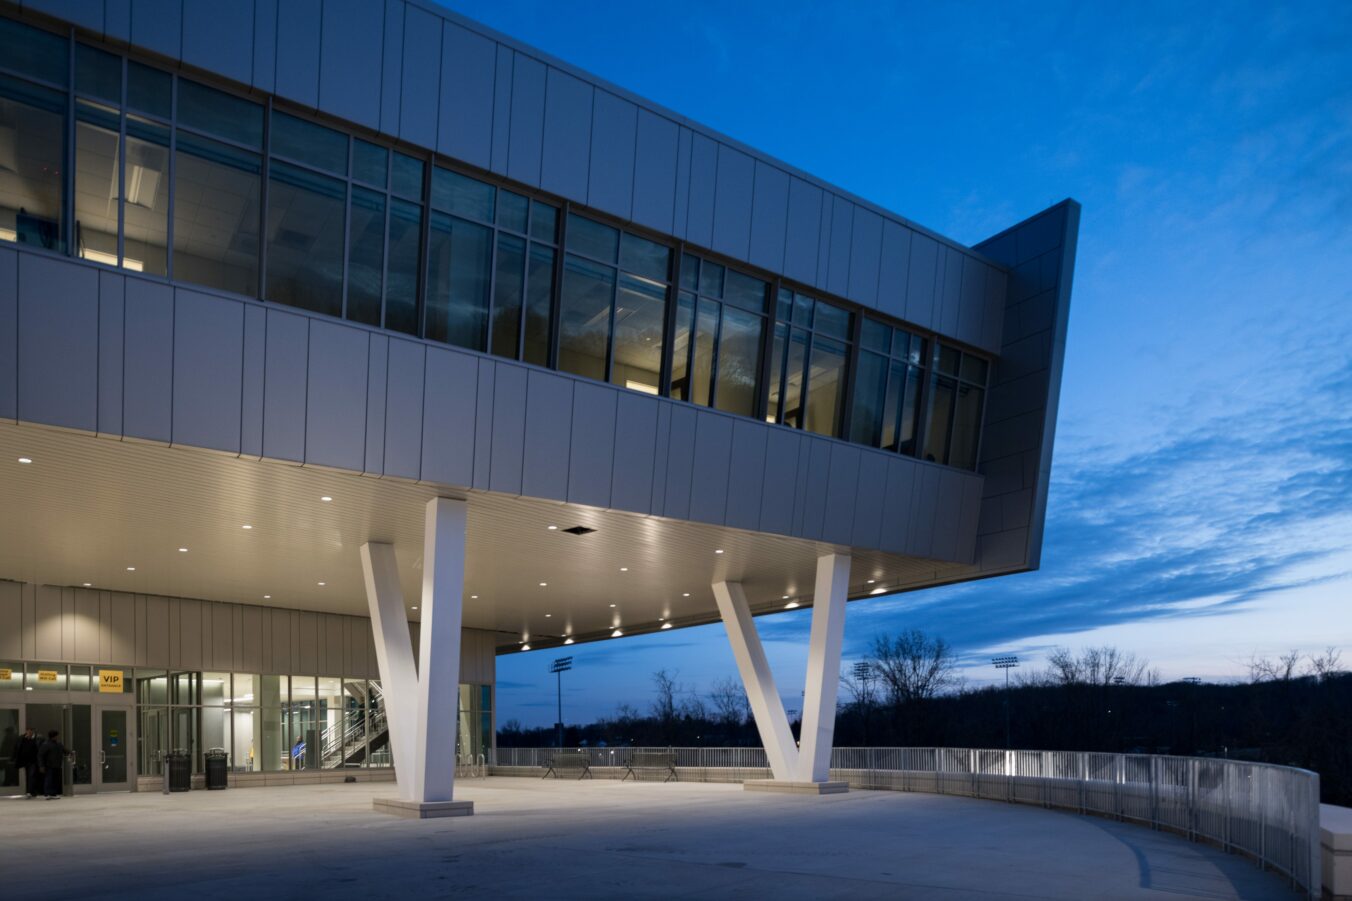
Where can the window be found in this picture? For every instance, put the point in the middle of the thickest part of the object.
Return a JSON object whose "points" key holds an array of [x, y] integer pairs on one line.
{"points": [[888, 387], [720, 324], [32, 158], [957, 395], [612, 309], [523, 281], [488, 285], [809, 364]]}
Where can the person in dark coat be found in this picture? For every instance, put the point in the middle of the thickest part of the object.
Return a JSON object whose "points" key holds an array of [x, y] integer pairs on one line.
{"points": [[26, 759], [51, 757]]}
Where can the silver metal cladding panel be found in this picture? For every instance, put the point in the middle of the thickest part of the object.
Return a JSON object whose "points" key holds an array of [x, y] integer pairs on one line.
{"points": [[420, 83], [592, 444], [335, 427], [769, 217], [208, 371], [709, 468], [804, 231], [148, 362], [404, 408], [111, 293], [351, 57], [508, 446], [631, 485], [525, 143], [567, 134], [610, 183], [465, 123], [284, 389], [378, 348], [655, 158], [57, 347], [893, 269], [732, 202], [866, 244], [219, 37]]}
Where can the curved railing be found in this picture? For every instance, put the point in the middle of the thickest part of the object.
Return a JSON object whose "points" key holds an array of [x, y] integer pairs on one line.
{"points": [[1269, 813]]}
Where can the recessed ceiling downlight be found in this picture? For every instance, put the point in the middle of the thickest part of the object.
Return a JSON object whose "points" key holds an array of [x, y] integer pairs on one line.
{"points": [[616, 634], [25, 459]]}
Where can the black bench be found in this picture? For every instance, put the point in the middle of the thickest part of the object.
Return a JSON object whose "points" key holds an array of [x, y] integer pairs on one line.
{"points": [[569, 761], [663, 762]]}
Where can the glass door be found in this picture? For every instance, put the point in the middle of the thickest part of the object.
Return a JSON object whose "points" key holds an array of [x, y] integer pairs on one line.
{"points": [[9, 744], [113, 763]]}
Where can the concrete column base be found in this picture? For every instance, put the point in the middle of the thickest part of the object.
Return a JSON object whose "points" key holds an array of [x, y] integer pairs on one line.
{"points": [[422, 810], [786, 787]]}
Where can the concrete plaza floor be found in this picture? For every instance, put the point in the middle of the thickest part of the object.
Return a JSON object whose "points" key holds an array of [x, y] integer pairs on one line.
{"points": [[601, 839]]}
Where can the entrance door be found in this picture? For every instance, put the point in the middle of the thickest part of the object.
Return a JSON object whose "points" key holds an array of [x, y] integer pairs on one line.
{"points": [[114, 773], [9, 742], [72, 722]]}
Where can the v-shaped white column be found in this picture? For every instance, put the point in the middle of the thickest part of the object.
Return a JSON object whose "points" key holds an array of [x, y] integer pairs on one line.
{"points": [[421, 708], [766, 705], [812, 761]]}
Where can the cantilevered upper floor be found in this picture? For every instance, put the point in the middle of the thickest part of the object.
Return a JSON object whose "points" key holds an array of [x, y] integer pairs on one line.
{"points": [[382, 239]]}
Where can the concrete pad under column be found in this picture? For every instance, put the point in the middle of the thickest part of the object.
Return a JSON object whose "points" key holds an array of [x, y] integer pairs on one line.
{"points": [[786, 787], [422, 810]]}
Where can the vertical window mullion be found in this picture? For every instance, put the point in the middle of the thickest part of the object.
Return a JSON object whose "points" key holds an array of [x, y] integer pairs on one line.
{"points": [[715, 352], [347, 224], [610, 320], [770, 309], [122, 170], [173, 187], [556, 296], [385, 238], [851, 370], [424, 248], [263, 202], [669, 320], [68, 181]]}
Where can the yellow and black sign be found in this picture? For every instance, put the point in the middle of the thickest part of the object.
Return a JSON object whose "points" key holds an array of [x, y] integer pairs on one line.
{"points": [[110, 681], [46, 675], [6, 675]]}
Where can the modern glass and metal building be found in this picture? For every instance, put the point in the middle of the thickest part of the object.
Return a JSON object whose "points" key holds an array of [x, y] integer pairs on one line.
{"points": [[316, 312]]}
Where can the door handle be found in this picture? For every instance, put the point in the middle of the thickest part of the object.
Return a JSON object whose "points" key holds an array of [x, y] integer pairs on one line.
{"points": [[103, 757]]}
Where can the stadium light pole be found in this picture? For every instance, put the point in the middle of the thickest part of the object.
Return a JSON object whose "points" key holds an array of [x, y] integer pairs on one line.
{"points": [[558, 668], [863, 674], [1006, 663]]}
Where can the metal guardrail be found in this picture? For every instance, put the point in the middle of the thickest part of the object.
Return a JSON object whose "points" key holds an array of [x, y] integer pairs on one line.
{"points": [[1266, 812]]}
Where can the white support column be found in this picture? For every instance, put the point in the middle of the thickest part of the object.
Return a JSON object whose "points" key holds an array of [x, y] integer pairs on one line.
{"points": [[823, 667], [420, 708], [394, 656], [766, 705], [439, 649]]}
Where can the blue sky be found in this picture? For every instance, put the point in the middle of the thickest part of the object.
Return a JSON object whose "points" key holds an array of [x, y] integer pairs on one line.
{"points": [[1201, 499]]}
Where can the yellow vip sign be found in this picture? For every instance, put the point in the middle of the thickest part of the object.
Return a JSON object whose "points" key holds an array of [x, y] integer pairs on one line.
{"points": [[110, 681]]}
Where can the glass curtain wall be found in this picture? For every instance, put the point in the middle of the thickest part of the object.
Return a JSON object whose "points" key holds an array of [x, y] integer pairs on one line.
{"points": [[612, 308], [172, 178], [888, 387], [720, 328], [957, 396], [490, 268], [809, 364]]}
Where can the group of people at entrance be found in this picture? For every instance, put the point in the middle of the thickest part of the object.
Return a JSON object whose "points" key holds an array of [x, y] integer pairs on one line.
{"points": [[41, 761]]}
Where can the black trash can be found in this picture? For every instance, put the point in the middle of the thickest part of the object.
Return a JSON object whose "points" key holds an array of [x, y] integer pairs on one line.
{"points": [[216, 768], [180, 770]]}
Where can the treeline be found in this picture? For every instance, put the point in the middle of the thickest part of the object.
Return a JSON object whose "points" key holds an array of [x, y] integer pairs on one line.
{"points": [[1293, 710]]}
